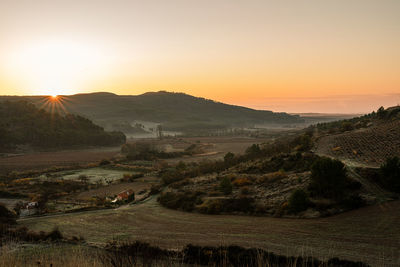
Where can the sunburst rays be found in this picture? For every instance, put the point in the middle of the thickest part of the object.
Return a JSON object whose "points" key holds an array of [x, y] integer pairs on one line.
{"points": [[55, 104]]}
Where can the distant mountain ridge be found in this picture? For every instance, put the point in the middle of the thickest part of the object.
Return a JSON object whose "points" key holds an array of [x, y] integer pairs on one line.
{"points": [[175, 111]]}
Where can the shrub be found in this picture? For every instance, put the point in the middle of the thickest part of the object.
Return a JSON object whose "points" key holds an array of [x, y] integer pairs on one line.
{"points": [[245, 190], [352, 202], [225, 186], [298, 201], [229, 158], [241, 204], [328, 178], [212, 206], [104, 162], [241, 182], [390, 174], [6, 216], [183, 201]]}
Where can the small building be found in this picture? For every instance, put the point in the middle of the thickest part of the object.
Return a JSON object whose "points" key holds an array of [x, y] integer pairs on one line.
{"points": [[29, 208], [31, 205], [128, 194]]}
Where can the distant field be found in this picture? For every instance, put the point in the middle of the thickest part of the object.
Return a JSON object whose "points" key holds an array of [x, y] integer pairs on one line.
{"points": [[39, 160], [107, 191], [93, 175], [370, 234], [218, 147]]}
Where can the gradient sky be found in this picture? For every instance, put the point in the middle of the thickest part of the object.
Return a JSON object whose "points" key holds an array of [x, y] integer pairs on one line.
{"points": [[336, 56]]}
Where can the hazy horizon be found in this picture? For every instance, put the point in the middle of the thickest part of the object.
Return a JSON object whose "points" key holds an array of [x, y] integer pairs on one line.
{"points": [[292, 56]]}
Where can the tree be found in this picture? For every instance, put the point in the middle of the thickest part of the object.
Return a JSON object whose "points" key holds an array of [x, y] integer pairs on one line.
{"points": [[225, 186], [328, 178], [229, 158], [381, 113], [298, 201]]}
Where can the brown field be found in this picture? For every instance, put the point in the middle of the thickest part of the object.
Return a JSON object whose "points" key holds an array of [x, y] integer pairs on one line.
{"points": [[370, 234], [41, 160], [217, 147], [369, 146], [137, 186]]}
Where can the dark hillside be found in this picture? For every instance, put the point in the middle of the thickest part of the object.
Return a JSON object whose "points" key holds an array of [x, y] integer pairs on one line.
{"points": [[22, 123]]}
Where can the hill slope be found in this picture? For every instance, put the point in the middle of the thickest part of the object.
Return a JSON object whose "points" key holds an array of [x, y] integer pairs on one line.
{"points": [[366, 140], [175, 111], [22, 123]]}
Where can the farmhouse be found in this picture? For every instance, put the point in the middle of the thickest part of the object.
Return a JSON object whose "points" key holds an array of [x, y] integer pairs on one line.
{"points": [[128, 194], [30, 208]]}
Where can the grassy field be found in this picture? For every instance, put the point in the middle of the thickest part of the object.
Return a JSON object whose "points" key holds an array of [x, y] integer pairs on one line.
{"points": [[370, 234]]}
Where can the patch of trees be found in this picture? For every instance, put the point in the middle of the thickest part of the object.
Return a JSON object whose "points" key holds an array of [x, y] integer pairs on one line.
{"points": [[22, 123], [298, 162], [329, 180], [185, 201], [358, 122]]}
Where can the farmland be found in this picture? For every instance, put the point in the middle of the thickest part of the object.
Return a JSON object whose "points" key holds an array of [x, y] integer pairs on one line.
{"points": [[369, 234], [42, 160], [365, 147]]}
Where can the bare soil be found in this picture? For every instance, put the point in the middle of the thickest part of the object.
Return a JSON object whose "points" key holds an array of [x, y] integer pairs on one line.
{"points": [[41, 160]]}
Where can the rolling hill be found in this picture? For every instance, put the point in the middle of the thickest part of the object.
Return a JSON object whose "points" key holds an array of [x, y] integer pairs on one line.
{"points": [[175, 111]]}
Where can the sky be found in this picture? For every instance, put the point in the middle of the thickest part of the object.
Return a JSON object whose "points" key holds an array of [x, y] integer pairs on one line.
{"points": [[333, 56]]}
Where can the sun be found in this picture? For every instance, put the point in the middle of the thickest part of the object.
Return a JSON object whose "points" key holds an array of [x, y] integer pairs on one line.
{"points": [[56, 67]]}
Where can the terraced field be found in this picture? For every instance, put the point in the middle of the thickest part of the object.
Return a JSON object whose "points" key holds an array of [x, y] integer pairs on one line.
{"points": [[370, 146], [370, 234]]}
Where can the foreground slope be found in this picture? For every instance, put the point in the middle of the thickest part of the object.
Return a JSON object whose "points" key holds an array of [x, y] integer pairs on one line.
{"points": [[370, 234]]}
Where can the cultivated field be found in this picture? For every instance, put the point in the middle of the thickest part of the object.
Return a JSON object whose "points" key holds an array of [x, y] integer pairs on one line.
{"points": [[370, 146], [41, 160], [370, 234]]}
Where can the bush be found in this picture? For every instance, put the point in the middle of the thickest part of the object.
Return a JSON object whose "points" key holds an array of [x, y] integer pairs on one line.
{"points": [[182, 201], [390, 174], [352, 202], [328, 178], [241, 182], [225, 186], [298, 201]]}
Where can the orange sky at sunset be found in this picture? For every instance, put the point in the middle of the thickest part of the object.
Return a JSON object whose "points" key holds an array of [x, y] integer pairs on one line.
{"points": [[297, 56]]}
